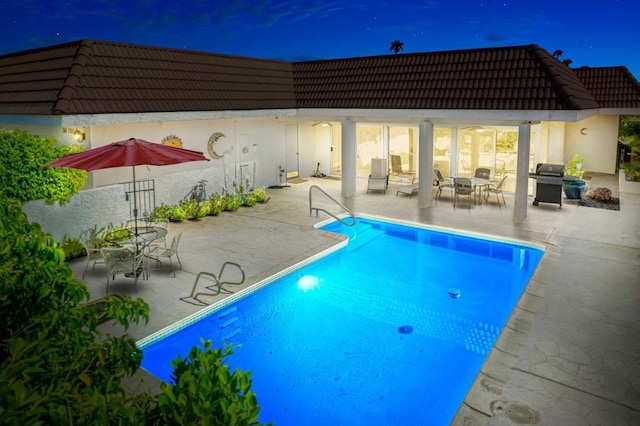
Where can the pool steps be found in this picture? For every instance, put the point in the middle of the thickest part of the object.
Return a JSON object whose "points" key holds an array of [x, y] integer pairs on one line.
{"points": [[229, 323]]}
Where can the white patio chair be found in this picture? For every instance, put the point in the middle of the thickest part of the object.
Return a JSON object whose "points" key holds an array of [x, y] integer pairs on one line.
{"points": [[91, 242], [157, 253], [124, 260]]}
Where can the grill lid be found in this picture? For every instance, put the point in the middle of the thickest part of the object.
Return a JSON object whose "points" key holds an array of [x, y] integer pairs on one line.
{"points": [[544, 169]]}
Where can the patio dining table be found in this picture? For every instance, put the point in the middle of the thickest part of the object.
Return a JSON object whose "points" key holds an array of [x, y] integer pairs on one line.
{"points": [[478, 184], [148, 234]]}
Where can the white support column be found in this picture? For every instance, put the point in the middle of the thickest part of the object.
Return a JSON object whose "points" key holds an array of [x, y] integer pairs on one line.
{"points": [[522, 181], [425, 164], [349, 150]]}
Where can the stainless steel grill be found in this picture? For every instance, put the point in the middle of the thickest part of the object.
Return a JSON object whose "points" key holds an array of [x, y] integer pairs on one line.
{"points": [[549, 179]]}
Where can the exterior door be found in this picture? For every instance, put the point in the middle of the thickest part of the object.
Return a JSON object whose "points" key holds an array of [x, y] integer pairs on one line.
{"points": [[292, 156]]}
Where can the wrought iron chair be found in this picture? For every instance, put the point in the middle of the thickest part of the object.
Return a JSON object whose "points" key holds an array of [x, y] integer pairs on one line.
{"points": [[156, 253], [90, 239], [125, 260]]}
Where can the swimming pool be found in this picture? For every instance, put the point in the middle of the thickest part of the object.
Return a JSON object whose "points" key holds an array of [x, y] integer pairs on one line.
{"points": [[391, 329]]}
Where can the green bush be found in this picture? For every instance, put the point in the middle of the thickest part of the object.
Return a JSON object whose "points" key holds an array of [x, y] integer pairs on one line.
{"points": [[197, 396], [55, 366], [72, 247], [58, 368], [631, 170], [249, 200], [23, 175], [177, 214], [260, 195], [232, 202], [190, 207], [162, 211], [215, 204]]}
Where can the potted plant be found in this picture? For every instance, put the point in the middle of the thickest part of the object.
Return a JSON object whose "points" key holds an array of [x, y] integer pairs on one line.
{"points": [[573, 184]]}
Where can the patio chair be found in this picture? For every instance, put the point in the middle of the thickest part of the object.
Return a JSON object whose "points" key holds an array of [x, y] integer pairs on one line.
{"points": [[158, 223], [497, 189], [157, 253], [442, 183], [408, 188], [379, 177], [462, 187], [124, 260], [91, 242], [396, 165], [482, 173]]}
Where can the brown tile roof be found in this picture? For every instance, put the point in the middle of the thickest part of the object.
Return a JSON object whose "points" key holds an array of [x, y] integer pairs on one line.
{"points": [[508, 78], [96, 77], [613, 87]]}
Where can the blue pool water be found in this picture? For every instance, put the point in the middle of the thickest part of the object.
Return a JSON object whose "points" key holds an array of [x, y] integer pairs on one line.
{"points": [[392, 329]]}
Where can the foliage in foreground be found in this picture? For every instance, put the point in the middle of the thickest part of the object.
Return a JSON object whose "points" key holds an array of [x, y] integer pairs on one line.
{"points": [[23, 174], [197, 397], [57, 367]]}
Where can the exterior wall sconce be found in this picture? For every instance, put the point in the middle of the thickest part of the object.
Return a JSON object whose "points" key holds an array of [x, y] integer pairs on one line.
{"points": [[78, 135], [583, 131]]}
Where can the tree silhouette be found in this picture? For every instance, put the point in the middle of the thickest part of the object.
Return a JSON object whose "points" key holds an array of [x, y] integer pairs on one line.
{"points": [[396, 46], [567, 62], [557, 53]]}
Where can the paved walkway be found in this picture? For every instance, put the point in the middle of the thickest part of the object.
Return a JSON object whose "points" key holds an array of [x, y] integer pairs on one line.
{"points": [[571, 351]]}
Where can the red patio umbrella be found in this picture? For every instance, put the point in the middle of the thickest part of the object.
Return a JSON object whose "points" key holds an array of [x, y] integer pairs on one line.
{"points": [[131, 152]]}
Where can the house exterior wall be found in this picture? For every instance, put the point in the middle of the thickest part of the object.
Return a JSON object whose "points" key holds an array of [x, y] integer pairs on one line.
{"points": [[598, 146]]}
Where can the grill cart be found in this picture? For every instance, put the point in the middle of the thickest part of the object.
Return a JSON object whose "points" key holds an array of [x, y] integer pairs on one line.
{"points": [[549, 178]]}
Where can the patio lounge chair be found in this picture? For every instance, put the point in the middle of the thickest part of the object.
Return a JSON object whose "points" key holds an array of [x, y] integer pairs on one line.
{"points": [[379, 177], [409, 188]]}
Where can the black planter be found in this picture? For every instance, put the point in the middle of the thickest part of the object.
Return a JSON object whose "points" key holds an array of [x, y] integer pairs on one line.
{"points": [[574, 190]]}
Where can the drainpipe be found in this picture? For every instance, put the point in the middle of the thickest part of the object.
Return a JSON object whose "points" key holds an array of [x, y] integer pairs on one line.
{"points": [[522, 179]]}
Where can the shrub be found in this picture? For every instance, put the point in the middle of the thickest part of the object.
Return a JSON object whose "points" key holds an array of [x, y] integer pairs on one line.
{"points": [[177, 214], [260, 195], [232, 202], [23, 175], [631, 170], [249, 200], [216, 204], [202, 380], [72, 247], [162, 211]]}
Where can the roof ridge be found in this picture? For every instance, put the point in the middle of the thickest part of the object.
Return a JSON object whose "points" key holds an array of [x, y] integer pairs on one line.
{"points": [[563, 77], [68, 87]]}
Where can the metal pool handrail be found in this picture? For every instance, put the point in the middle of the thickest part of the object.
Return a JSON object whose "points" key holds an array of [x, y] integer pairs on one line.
{"points": [[318, 209]]}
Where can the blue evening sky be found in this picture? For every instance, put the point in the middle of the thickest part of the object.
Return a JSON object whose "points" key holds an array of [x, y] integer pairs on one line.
{"points": [[589, 32]]}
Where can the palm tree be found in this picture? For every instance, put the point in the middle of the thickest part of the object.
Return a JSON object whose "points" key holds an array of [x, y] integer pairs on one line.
{"points": [[557, 53], [396, 46]]}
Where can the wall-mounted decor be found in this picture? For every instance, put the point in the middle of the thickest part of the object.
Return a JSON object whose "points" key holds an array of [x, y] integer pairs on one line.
{"points": [[212, 140], [172, 140]]}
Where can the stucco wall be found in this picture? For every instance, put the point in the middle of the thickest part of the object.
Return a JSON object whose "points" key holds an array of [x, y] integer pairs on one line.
{"points": [[598, 145], [244, 140], [105, 205]]}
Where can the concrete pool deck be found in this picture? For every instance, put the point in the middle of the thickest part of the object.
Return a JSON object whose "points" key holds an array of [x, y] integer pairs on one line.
{"points": [[570, 353]]}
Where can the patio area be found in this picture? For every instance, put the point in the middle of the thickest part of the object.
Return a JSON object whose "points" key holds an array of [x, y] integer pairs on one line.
{"points": [[570, 351]]}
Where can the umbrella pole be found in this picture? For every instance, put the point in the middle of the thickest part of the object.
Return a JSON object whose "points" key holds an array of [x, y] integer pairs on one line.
{"points": [[135, 203]]}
